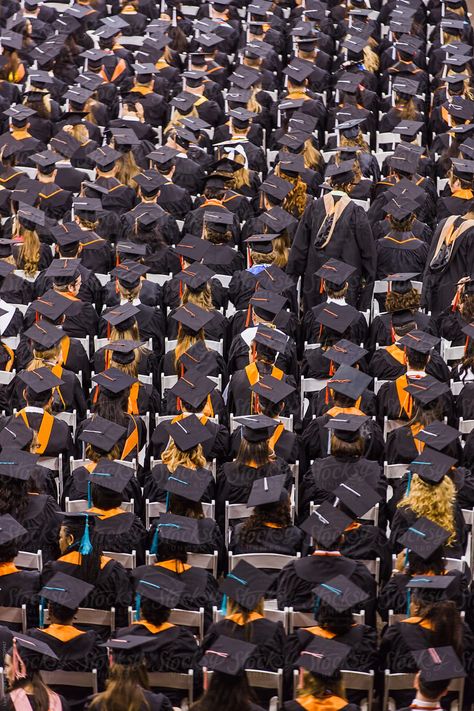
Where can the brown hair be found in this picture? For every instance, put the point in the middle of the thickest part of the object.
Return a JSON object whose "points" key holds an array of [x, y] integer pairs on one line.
{"points": [[124, 689], [173, 457]]}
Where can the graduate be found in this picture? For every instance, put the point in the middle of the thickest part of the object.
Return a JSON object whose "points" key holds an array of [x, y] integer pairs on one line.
{"points": [[458, 315], [149, 320], [130, 285], [436, 670], [81, 318], [399, 249], [192, 320], [118, 433], [142, 397], [195, 392]]}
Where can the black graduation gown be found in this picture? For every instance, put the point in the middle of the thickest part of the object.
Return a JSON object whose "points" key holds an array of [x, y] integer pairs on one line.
{"points": [[200, 588], [400, 252], [240, 396], [150, 294], [465, 399], [324, 401], [388, 403], [215, 330], [359, 251], [70, 396], [112, 587], [244, 283], [168, 367], [60, 441], [450, 325], [167, 224], [385, 367], [314, 440], [151, 324], [419, 229], [75, 487], [76, 650], [357, 330], [81, 319], [286, 446], [175, 200], [393, 595], [16, 290], [173, 290], [122, 532], [298, 579], [380, 330], [174, 650], [216, 447], [42, 525], [267, 539], [19, 587]]}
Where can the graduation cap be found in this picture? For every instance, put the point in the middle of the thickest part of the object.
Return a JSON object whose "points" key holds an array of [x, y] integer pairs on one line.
{"points": [[63, 268], [125, 137], [346, 427], [267, 304], [227, 655], [200, 358], [357, 496], [16, 435], [326, 524], [44, 334], [193, 387], [246, 584], [221, 221], [102, 434], [271, 338], [111, 475], [149, 181], [51, 305], [129, 649], [66, 590], [349, 381], [187, 432], [354, 44], [79, 94], [10, 529], [463, 169], [32, 651], [129, 273], [424, 537], [438, 435], [105, 157], [190, 484], [340, 593], [67, 233], [177, 529], [118, 314], [272, 389], [40, 380], [291, 164], [345, 352], [404, 161], [29, 214], [192, 317], [290, 104], [6, 269], [11, 40], [400, 209], [419, 341], [430, 587], [323, 657], [107, 32], [335, 272], [268, 490], [438, 664], [277, 219], [114, 380], [344, 171], [85, 204], [294, 140], [160, 588], [256, 428], [427, 389], [276, 187], [336, 317], [46, 159], [299, 71], [195, 276], [184, 102], [401, 283], [14, 463], [261, 243], [132, 248], [432, 466]]}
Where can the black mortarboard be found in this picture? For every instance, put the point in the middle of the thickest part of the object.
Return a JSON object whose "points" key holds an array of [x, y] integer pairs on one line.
{"points": [[46, 159], [129, 273], [463, 169], [419, 341], [323, 657], [44, 334], [66, 590], [336, 317], [192, 248], [114, 380], [180, 529], [78, 94], [327, 524], [193, 387], [291, 164], [276, 187], [261, 243], [267, 304], [438, 435], [40, 380], [11, 40], [33, 648], [426, 390], [85, 204], [345, 352], [438, 664], [184, 102], [403, 85], [190, 484], [335, 272], [149, 180], [408, 128], [192, 316], [346, 427], [246, 584], [227, 655], [271, 338], [14, 463], [119, 314], [188, 432], [15, 435], [162, 589], [27, 213], [10, 529], [137, 250], [199, 357], [272, 389], [67, 233], [128, 649], [400, 209], [404, 161], [461, 109], [102, 434], [51, 305], [268, 490], [277, 219], [298, 70], [436, 587], [220, 220], [357, 495], [424, 537], [244, 77], [257, 428], [111, 475], [349, 381], [344, 171], [63, 268], [340, 593], [294, 140], [104, 156], [431, 465], [195, 276]]}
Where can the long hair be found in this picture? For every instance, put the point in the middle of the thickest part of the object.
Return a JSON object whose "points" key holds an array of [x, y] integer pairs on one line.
{"points": [[253, 103], [173, 457], [29, 252], [319, 687], [128, 368], [345, 450], [42, 107], [130, 334], [225, 693], [257, 452], [446, 626], [13, 497], [185, 340], [406, 108], [295, 201], [276, 513], [435, 502], [467, 363], [426, 416], [42, 359], [371, 60], [182, 507], [177, 117], [233, 608], [112, 408], [40, 690], [127, 169], [358, 141], [124, 689], [338, 623], [279, 254], [77, 131], [402, 302], [201, 297], [312, 157], [130, 293]]}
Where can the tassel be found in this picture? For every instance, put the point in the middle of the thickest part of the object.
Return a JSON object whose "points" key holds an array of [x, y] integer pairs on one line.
{"points": [[19, 668], [41, 612], [406, 558], [408, 600], [89, 495], [167, 502], [154, 544], [138, 603], [317, 604], [86, 546], [224, 605]]}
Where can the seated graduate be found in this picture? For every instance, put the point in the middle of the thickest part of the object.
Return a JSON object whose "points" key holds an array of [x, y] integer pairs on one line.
{"points": [[296, 582], [270, 528], [399, 249], [335, 603], [186, 487], [322, 685], [115, 529], [111, 429], [255, 460], [82, 558], [172, 648], [127, 680], [148, 322], [424, 556], [228, 689], [195, 392], [76, 649], [243, 619], [18, 587], [173, 535], [23, 661], [436, 670]]}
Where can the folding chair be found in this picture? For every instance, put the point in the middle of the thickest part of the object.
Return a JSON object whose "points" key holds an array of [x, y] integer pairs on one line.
{"points": [[390, 425], [403, 682], [378, 384], [29, 561], [159, 278], [468, 515], [360, 681], [234, 512], [78, 505], [224, 279], [465, 426], [394, 618], [310, 385], [14, 616], [128, 560], [297, 619], [373, 566], [88, 616], [84, 680], [160, 681], [6, 378]]}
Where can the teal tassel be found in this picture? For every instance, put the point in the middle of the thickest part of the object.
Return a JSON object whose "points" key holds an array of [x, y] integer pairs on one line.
{"points": [[86, 546], [138, 602], [167, 501], [89, 495], [41, 612], [224, 605], [154, 544], [317, 604], [408, 601], [408, 484], [406, 557]]}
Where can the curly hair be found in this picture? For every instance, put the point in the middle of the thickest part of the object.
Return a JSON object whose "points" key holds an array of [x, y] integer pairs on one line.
{"points": [[358, 141], [13, 497], [402, 302], [45, 358], [173, 457], [435, 502], [295, 201], [279, 254], [402, 225], [277, 513]]}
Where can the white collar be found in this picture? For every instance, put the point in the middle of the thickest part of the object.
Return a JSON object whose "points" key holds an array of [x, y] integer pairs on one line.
{"points": [[340, 302], [135, 302], [416, 374], [30, 408], [423, 704]]}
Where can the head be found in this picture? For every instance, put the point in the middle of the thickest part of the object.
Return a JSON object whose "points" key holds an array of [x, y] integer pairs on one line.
{"points": [[435, 564], [124, 687], [347, 450], [60, 615], [232, 693], [430, 690], [333, 621], [111, 406], [395, 301], [173, 457], [320, 686], [417, 360], [105, 499], [70, 539], [278, 513], [259, 453], [153, 612], [433, 501]]}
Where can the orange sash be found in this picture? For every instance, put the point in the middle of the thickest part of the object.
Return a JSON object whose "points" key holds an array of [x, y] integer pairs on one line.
{"points": [[118, 70], [276, 436], [253, 375], [153, 628], [397, 354], [63, 632], [319, 632], [8, 568], [131, 442], [133, 399], [335, 411], [404, 398], [44, 432], [327, 703], [102, 514], [11, 358], [74, 558], [239, 619], [65, 346]]}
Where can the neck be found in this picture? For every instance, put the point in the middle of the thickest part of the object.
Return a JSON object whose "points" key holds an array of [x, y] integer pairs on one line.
{"points": [[45, 178]]}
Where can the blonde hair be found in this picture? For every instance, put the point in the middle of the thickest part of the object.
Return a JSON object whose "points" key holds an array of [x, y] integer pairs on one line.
{"points": [[233, 608], [127, 169], [295, 201], [77, 131], [253, 103], [358, 141], [131, 334], [312, 157], [184, 342], [202, 298], [435, 502], [129, 294], [371, 60], [173, 457], [177, 116], [29, 253], [43, 359], [128, 368], [279, 254], [94, 456]]}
